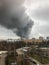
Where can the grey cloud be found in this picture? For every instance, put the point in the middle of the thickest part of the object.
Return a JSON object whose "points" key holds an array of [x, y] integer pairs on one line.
{"points": [[41, 13], [44, 29], [12, 16]]}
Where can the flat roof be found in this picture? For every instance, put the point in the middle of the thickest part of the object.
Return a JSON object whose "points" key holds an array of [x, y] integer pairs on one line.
{"points": [[3, 52]]}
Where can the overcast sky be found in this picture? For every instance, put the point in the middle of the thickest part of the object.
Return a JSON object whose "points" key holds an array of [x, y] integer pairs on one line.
{"points": [[38, 11]]}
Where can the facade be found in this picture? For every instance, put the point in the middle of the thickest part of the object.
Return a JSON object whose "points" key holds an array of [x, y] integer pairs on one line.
{"points": [[3, 55], [47, 38], [44, 51], [41, 38]]}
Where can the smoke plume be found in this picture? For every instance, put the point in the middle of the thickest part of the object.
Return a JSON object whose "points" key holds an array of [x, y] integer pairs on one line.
{"points": [[13, 16]]}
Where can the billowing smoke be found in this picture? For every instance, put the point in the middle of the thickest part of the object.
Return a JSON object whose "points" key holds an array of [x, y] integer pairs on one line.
{"points": [[13, 16]]}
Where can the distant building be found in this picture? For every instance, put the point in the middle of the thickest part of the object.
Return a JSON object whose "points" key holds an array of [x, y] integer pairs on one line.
{"points": [[41, 38], [47, 38], [33, 38], [33, 41]]}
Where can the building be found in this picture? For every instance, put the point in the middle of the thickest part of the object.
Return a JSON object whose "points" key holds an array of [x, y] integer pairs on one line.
{"points": [[33, 41], [41, 38], [3, 55], [44, 51], [47, 38]]}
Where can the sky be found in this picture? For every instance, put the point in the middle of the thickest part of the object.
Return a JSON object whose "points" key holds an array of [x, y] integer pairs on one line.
{"points": [[38, 11]]}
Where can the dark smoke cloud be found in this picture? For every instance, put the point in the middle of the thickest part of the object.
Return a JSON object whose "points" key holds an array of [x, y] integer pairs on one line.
{"points": [[12, 16], [24, 31]]}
